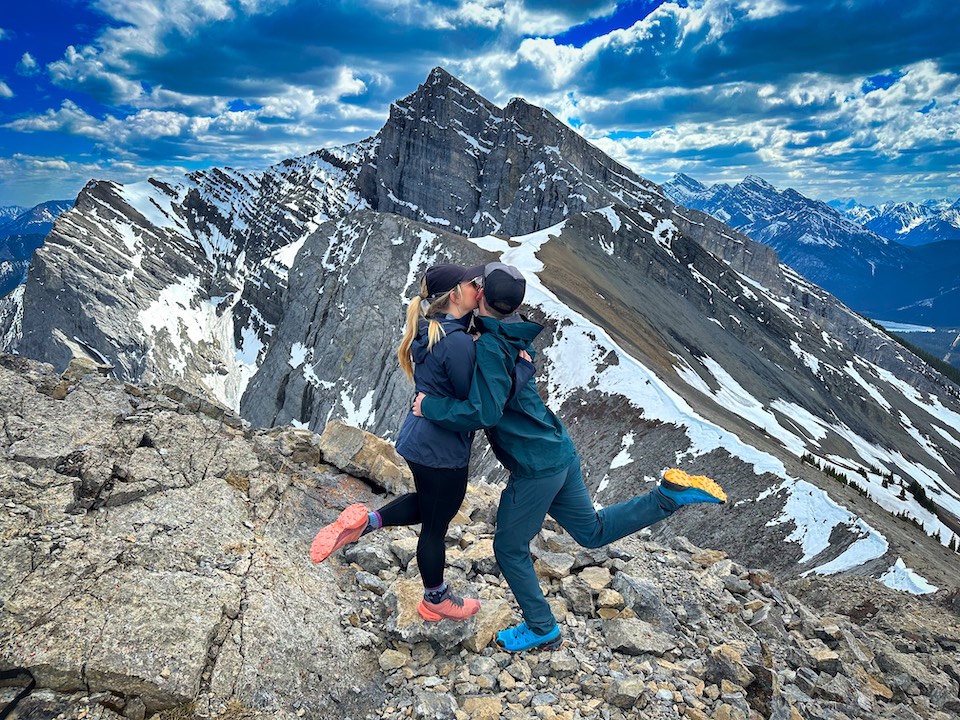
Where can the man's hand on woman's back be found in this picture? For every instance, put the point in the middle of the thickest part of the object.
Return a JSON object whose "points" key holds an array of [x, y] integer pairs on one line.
{"points": [[416, 404]]}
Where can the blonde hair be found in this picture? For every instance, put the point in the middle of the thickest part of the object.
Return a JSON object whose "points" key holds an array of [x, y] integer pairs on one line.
{"points": [[417, 309]]}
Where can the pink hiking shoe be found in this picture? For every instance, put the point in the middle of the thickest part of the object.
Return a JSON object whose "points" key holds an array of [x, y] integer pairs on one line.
{"points": [[452, 607], [344, 530]]}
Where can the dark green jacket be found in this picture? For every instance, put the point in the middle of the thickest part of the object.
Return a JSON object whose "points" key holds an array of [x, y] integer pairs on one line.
{"points": [[525, 435]]}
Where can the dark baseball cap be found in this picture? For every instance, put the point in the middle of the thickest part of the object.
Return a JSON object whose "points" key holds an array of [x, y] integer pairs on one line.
{"points": [[443, 278], [503, 287]]}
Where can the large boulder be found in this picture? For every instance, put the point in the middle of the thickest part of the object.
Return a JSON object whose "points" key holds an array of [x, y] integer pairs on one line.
{"points": [[365, 455]]}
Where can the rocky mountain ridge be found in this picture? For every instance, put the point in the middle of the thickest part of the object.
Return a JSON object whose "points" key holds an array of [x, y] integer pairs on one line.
{"points": [[671, 339], [876, 275], [155, 565], [8, 212]]}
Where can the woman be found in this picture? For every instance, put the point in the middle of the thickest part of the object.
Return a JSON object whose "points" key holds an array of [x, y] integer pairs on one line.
{"points": [[437, 354]]}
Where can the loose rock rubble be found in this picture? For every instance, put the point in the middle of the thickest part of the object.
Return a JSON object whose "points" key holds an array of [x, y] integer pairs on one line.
{"points": [[154, 564], [650, 631]]}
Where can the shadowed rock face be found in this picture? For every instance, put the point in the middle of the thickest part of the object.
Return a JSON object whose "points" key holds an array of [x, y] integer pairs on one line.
{"points": [[448, 157], [671, 339], [155, 557]]}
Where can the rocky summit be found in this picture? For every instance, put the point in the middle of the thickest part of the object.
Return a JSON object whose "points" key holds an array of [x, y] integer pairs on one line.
{"points": [[154, 565]]}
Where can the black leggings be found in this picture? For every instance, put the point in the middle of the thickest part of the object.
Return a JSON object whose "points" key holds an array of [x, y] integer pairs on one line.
{"points": [[437, 499]]}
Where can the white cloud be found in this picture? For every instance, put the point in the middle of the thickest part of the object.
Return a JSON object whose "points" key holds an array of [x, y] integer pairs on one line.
{"points": [[557, 63], [551, 18], [27, 65], [485, 13], [109, 130], [84, 69], [38, 163], [186, 16], [762, 9], [24, 178], [5, 91], [347, 84], [70, 118]]}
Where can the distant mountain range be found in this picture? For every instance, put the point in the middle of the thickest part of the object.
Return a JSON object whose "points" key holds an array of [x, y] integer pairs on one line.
{"points": [[906, 223], [9, 212], [22, 231], [880, 278]]}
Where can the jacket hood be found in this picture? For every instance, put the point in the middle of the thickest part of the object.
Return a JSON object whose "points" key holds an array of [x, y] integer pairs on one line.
{"points": [[515, 329]]}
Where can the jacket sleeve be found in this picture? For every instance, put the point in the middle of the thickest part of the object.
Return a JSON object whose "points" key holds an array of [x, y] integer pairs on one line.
{"points": [[458, 363], [489, 391], [523, 372]]}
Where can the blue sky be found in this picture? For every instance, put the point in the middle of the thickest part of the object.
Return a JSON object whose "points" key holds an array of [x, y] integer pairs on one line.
{"points": [[851, 98]]}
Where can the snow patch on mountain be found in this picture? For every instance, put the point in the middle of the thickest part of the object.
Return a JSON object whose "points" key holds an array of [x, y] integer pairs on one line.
{"points": [[900, 577], [181, 313], [814, 516]]}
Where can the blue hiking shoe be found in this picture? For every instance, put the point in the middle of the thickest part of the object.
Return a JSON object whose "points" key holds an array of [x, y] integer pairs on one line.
{"points": [[520, 638], [686, 489]]}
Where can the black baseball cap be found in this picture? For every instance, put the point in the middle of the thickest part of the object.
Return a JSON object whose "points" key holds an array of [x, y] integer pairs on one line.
{"points": [[443, 278], [503, 287]]}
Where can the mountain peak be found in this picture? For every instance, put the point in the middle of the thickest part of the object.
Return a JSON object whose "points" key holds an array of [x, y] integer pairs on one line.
{"points": [[439, 76], [439, 88], [757, 181], [439, 81], [449, 157], [684, 180]]}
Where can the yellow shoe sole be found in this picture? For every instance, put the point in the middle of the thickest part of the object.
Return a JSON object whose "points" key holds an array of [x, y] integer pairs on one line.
{"points": [[677, 477]]}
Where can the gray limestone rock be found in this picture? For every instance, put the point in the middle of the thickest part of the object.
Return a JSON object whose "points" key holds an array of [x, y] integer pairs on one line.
{"points": [[636, 637], [435, 706], [365, 455], [133, 562], [155, 557], [645, 599]]}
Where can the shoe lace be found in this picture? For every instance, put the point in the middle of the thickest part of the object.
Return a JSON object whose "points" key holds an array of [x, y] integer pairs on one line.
{"points": [[519, 632], [455, 599]]}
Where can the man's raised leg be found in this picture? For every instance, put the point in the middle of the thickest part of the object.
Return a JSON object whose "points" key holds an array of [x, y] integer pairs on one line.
{"points": [[573, 508]]}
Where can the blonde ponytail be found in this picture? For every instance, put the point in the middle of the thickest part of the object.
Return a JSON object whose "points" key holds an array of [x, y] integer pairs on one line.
{"points": [[435, 331]]}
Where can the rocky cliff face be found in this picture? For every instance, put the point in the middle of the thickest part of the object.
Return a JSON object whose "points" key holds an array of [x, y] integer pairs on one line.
{"points": [[671, 338], [333, 352], [146, 559], [179, 280], [448, 157], [155, 564]]}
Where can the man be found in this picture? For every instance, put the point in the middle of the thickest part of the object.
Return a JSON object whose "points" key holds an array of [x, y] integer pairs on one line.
{"points": [[532, 443]]}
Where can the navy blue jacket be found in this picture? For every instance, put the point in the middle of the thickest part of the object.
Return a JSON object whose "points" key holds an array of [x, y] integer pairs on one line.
{"points": [[444, 371]]}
